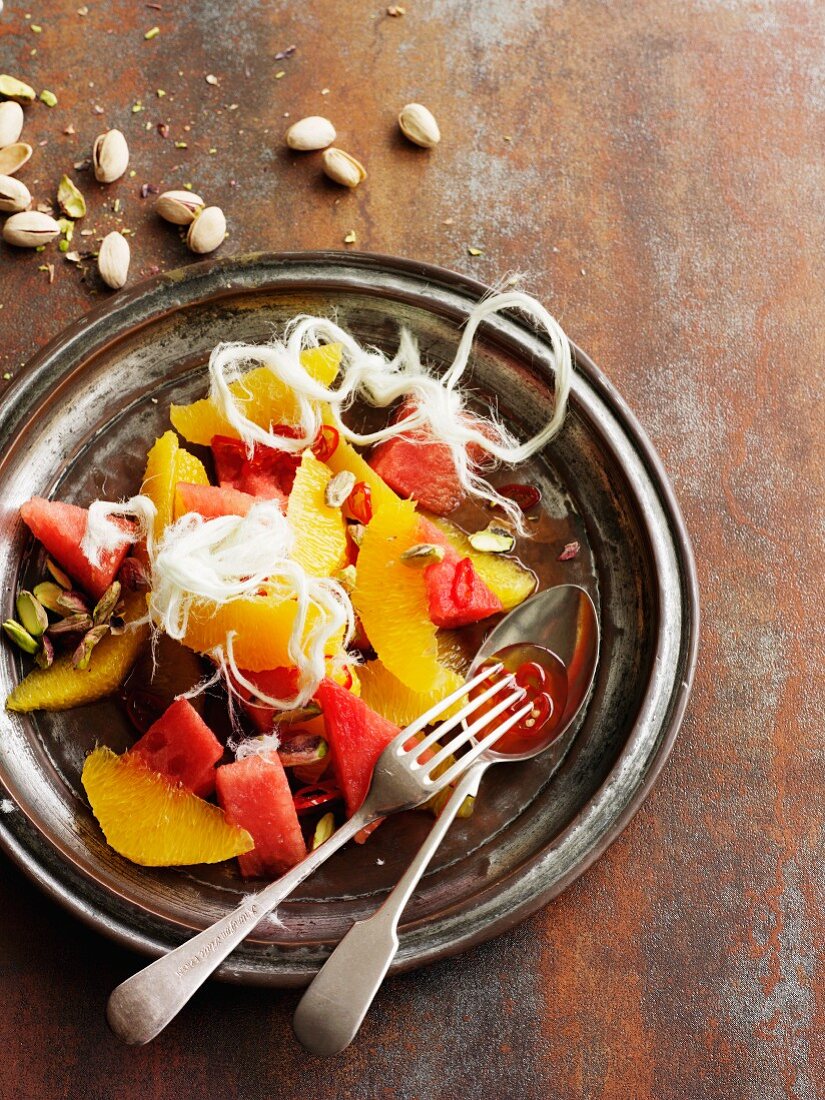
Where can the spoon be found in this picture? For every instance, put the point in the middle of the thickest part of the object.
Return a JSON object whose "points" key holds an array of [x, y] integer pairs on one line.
{"points": [[561, 619]]}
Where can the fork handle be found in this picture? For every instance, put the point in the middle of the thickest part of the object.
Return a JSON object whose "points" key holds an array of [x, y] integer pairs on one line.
{"points": [[334, 1006], [144, 1004]]}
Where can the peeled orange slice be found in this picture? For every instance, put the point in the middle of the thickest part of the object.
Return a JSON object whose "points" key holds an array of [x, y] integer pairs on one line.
{"points": [[189, 470], [393, 700], [506, 577], [61, 686], [261, 396], [152, 821], [167, 464], [320, 532], [391, 600]]}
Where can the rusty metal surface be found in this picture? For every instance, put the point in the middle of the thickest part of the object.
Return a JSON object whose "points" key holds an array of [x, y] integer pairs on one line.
{"points": [[662, 190]]}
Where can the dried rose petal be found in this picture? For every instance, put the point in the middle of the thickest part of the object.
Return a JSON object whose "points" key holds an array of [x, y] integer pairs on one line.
{"points": [[525, 496], [570, 551]]}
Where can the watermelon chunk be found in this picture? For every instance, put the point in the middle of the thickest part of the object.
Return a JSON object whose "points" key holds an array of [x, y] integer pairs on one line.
{"points": [[255, 795], [211, 501], [456, 594], [356, 735], [268, 473], [278, 683], [181, 746], [61, 527]]}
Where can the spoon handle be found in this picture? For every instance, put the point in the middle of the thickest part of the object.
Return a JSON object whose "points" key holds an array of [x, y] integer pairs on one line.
{"points": [[144, 1004], [334, 1006]]}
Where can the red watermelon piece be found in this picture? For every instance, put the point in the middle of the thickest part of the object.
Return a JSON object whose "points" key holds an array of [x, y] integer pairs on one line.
{"points": [[456, 594], [211, 501], [269, 473], [278, 683], [60, 528], [181, 745], [255, 795], [356, 735]]}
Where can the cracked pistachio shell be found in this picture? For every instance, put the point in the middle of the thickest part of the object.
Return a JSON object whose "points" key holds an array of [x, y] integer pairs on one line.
{"points": [[113, 260], [343, 168], [11, 123], [12, 88], [179, 207], [310, 133], [13, 157], [14, 195], [110, 156], [207, 231], [69, 199], [418, 125], [30, 229]]}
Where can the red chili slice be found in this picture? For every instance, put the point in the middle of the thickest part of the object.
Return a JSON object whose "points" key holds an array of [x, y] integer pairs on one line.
{"points": [[462, 588], [143, 708], [525, 496], [326, 442], [359, 502], [532, 676], [318, 794]]}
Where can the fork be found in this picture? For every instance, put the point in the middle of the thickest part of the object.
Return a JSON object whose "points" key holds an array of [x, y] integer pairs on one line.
{"points": [[144, 1004]]}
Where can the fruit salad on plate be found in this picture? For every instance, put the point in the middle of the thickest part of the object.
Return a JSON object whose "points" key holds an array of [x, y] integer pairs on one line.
{"points": [[311, 571]]}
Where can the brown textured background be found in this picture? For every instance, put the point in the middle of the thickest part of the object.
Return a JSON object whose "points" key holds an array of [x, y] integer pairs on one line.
{"points": [[662, 189]]}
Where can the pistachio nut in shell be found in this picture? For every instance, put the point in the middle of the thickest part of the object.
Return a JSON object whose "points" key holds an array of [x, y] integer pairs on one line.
{"points": [[418, 125], [207, 231], [179, 207], [113, 260], [11, 122], [110, 156], [30, 229], [18, 90], [13, 157], [14, 195], [342, 168], [308, 134]]}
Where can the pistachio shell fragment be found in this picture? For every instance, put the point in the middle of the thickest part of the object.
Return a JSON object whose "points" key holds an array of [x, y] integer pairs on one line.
{"points": [[423, 554], [207, 231], [342, 168], [13, 157], [323, 830], [309, 134], [110, 156], [418, 125], [179, 207], [492, 540], [356, 532], [113, 260], [69, 199], [11, 123], [32, 613], [339, 488], [63, 579], [21, 638], [14, 195], [30, 229], [12, 88]]}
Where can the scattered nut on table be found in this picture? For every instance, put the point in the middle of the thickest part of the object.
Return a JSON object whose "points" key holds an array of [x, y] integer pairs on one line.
{"points": [[11, 122], [14, 195], [113, 260], [311, 133], [207, 231], [418, 125], [18, 90], [30, 229], [110, 156], [343, 168], [13, 157], [179, 207]]}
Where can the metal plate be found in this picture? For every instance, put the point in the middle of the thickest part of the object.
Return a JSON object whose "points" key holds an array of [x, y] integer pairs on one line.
{"points": [[78, 423]]}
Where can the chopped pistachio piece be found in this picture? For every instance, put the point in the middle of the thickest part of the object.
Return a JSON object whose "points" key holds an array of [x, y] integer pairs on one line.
{"points": [[83, 654], [346, 578], [49, 98], [323, 830], [72, 603], [423, 554], [70, 200], [339, 488], [492, 540], [72, 624], [107, 604], [47, 592], [21, 638], [44, 657], [62, 579], [32, 613]]}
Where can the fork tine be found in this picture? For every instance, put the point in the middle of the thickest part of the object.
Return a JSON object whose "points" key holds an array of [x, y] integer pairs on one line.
{"points": [[459, 716], [439, 707], [461, 765], [464, 735]]}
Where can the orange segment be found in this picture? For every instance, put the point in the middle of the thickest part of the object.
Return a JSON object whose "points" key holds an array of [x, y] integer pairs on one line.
{"points": [[263, 626], [188, 469], [261, 397], [160, 478], [320, 532], [61, 686], [152, 821], [391, 600], [398, 703], [506, 577]]}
